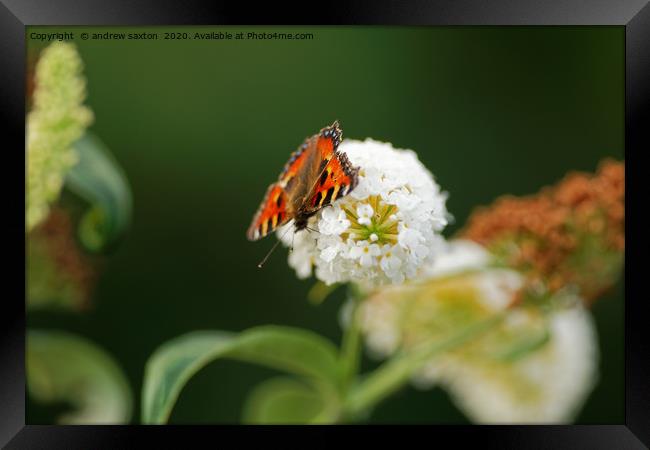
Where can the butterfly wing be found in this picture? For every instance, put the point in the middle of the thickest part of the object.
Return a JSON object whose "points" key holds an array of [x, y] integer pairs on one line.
{"points": [[319, 150], [273, 211], [282, 197], [300, 181], [337, 179]]}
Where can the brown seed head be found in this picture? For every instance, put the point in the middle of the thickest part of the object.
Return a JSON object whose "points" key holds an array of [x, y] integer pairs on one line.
{"points": [[570, 233]]}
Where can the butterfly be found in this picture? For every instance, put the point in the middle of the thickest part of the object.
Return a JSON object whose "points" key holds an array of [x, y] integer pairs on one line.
{"points": [[314, 177]]}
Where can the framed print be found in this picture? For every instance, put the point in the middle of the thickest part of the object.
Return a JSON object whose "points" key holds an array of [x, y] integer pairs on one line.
{"points": [[413, 215]]}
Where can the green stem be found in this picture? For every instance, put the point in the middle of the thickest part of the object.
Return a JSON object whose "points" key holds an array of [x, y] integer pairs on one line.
{"points": [[351, 346], [392, 375], [320, 291]]}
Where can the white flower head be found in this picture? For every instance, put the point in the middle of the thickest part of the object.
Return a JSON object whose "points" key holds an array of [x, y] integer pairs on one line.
{"points": [[459, 255], [384, 232], [462, 268], [534, 367], [548, 385]]}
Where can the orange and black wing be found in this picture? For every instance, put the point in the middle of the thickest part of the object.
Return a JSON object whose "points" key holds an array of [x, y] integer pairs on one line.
{"points": [[278, 205], [306, 164], [301, 179], [337, 179], [273, 212], [328, 140]]}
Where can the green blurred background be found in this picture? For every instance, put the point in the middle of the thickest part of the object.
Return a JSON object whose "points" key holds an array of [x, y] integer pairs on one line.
{"points": [[202, 127]]}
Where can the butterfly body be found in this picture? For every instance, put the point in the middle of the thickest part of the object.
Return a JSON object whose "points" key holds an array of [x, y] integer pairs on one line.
{"points": [[314, 177]]}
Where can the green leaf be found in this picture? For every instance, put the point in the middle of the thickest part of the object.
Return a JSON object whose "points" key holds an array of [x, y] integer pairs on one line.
{"points": [[288, 401], [292, 350], [98, 179], [65, 367]]}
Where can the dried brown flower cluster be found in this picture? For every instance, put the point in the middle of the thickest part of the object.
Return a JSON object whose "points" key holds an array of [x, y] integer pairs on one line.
{"points": [[60, 272], [570, 234]]}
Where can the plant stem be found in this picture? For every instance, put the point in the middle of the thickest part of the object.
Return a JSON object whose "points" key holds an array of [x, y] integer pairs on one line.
{"points": [[396, 372], [351, 346], [320, 291]]}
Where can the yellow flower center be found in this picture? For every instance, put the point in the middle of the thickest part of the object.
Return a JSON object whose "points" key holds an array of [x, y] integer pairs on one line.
{"points": [[382, 223]]}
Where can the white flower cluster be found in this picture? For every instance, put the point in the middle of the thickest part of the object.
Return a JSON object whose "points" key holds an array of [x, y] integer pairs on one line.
{"points": [[492, 290], [546, 384], [384, 231]]}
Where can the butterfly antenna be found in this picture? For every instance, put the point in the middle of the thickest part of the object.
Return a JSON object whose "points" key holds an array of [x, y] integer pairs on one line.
{"points": [[268, 254], [261, 264]]}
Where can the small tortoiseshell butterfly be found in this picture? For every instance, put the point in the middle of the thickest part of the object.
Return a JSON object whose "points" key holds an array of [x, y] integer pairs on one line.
{"points": [[315, 175]]}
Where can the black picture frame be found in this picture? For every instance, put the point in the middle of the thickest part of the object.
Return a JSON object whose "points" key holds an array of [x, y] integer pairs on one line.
{"points": [[633, 15]]}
